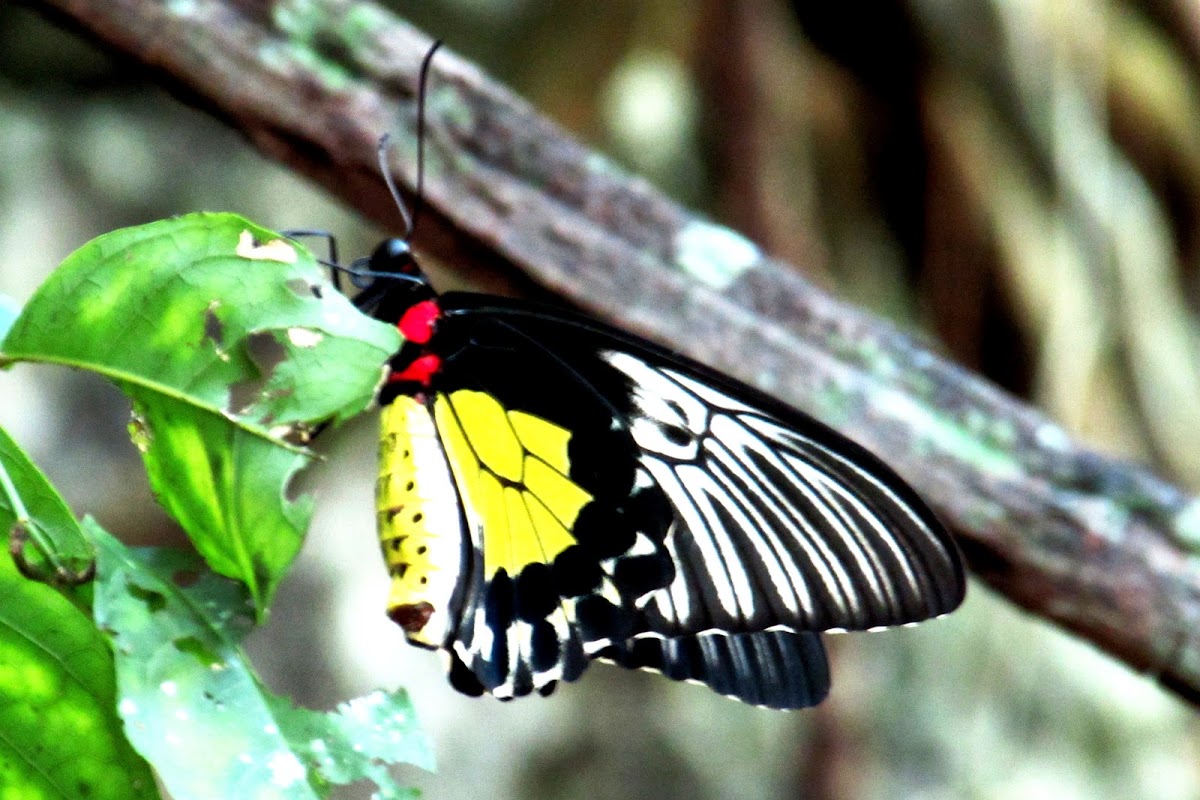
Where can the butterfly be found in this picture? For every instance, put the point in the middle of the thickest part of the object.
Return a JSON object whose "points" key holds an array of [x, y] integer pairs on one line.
{"points": [[554, 491]]}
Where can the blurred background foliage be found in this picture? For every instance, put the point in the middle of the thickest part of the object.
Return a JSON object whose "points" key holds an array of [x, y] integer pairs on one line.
{"points": [[1018, 180]]}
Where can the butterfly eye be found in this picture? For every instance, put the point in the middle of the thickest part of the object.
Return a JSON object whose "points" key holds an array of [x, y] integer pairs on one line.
{"points": [[360, 273]]}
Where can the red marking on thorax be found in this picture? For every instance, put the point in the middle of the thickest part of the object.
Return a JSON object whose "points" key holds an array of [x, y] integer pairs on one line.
{"points": [[419, 371], [419, 320]]}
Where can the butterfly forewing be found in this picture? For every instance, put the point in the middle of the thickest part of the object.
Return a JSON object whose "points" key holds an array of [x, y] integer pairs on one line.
{"points": [[792, 524]]}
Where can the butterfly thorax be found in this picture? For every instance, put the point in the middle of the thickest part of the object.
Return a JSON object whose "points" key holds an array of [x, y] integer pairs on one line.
{"points": [[400, 293]]}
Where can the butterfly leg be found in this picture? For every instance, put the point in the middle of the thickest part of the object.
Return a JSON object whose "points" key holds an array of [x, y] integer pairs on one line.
{"points": [[331, 245]]}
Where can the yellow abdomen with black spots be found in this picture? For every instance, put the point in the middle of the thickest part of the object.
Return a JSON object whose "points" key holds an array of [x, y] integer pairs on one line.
{"points": [[420, 524]]}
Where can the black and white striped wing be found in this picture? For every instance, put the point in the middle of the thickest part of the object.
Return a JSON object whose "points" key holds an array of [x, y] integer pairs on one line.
{"points": [[779, 520]]}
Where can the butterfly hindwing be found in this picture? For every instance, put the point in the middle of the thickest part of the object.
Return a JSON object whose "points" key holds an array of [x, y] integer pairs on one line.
{"points": [[556, 507], [777, 668], [623, 502]]}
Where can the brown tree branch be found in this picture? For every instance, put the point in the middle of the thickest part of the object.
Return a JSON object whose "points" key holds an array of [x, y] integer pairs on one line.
{"points": [[1100, 546]]}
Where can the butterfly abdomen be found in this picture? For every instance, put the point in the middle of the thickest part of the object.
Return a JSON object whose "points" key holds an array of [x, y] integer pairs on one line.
{"points": [[420, 523]]}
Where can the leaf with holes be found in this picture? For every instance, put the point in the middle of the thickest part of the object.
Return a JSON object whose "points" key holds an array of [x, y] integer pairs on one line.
{"points": [[233, 347], [193, 706]]}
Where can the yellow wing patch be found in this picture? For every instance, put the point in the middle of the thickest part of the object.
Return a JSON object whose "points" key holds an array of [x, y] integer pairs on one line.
{"points": [[555, 490], [492, 437], [543, 439], [513, 471]]}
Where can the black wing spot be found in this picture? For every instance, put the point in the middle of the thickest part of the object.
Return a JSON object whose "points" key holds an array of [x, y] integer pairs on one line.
{"points": [[653, 511], [677, 435], [535, 596], [498, 609], [604, 532], [545, 646], [600, 619], [603, 463], [463, 679], [576, 572], [639, 575]]}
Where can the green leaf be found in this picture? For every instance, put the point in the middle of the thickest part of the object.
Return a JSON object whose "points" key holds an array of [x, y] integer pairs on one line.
{"points": [[60, 736], [42, 533], [194, 708], [233, 346], [358, 740]]}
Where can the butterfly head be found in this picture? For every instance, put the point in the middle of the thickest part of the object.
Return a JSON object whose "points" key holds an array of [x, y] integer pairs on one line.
{"points": [[395, 290], [393, 257], [391, 281]]}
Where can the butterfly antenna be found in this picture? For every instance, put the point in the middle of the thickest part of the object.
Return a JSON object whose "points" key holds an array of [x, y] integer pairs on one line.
{"points": [[410, 220], [422, 85], [386, 169]]}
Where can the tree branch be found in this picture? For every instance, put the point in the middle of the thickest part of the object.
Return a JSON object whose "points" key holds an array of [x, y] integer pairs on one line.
{"points": [[1100, 546]]}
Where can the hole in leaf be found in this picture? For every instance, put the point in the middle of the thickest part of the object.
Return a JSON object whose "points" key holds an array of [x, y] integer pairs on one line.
{"points": [[305, 337], [266, 353], [214, 329], [155, 601], [250, 246], [139, 431]]}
